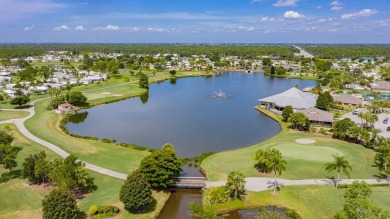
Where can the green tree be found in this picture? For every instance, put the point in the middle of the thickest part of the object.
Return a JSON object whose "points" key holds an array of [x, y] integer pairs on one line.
{"points": [[266, 62], [1, 98], [172, 73], [277, 164], [42, 170], [382, 158], [5, 138], [20, 100], [136, 193], [60, 204], [218, 195], [286, 113], [339, 164], [28, 167], [160, 167], [143, 80], [272, 71], [324, 101], [341, 128], [299, 121], [168, 146], [71, 174], [236, 184], [8, 155], [76, 98], [358, 204]]}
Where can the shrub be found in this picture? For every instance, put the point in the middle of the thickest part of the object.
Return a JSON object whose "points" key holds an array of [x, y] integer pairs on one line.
{"points": [[195, 210], [293, 214], [92, 210], [218, 195], [60, 204], [313, 129], [106, 140], [323, 131], [286, 113]]}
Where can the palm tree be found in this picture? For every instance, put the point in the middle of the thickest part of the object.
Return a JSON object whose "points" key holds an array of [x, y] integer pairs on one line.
{"points": [[383, 157], [340, 163], [236, 184], [276, 163]]}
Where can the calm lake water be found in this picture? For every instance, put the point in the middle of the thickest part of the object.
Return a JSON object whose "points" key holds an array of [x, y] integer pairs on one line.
{"points": [[184, 113]]}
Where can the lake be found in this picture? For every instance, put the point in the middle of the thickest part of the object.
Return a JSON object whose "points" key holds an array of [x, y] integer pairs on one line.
{"points": [[184, 113]]}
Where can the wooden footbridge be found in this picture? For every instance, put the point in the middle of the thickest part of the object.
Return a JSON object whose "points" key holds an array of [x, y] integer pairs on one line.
{"points": [[189, 182]]}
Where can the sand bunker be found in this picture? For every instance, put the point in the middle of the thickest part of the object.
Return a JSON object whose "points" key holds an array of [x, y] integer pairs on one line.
{"points": [[305, 141], [105, 93], [117, 95]]}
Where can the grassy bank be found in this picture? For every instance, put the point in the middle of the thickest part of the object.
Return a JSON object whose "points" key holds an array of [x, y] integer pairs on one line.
{"points": [[311, 202], [304, 161], [29, 206]]}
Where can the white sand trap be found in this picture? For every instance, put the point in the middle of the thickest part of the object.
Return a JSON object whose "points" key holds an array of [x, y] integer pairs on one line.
{"points": [[117, 95], [105, 93], [305, 141]]}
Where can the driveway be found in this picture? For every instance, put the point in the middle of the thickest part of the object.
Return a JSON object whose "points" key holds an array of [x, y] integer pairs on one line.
{"points": [[378, 125]]}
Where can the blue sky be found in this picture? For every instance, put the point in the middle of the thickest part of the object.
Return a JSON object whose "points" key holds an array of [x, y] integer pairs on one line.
{"points": [[195, 21]]}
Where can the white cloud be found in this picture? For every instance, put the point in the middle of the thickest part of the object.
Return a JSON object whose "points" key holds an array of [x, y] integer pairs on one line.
{"points": [[362, 13], [29, 28], [336, 5], [285, 3], [267, 31], [79, 28], [322, 20], [256, 1], [108, 27], [246, 28], [293, 15], [332, 30], [62, 27], [154, 29]]}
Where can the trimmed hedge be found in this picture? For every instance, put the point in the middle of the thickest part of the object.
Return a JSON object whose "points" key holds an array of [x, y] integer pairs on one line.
{"points": [[346, 186], [103, 211]]}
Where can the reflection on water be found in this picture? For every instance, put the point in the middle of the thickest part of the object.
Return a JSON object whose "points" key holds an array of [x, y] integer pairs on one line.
{"points": [[78, 117], [177, 205]]}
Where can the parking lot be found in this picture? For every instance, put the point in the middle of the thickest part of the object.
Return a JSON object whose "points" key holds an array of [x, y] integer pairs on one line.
{"points": [[378, 125]]}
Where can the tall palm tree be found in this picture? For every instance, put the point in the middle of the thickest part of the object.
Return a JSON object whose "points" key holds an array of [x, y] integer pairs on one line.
{"points": [[383, 157], [339, 164], [236, 184], [277, 164]]}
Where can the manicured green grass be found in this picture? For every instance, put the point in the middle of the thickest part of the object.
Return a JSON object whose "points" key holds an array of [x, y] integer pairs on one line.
{"points": [[6, 115], [108, 194], [45, 125], [311, 202], [19, 200], [303, 161]]}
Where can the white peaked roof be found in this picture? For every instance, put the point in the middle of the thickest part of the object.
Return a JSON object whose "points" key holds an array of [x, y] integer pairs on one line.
{"points": [[292, 97]]}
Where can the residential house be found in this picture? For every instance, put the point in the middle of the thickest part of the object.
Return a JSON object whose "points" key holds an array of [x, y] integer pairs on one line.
{"points": [[317, 116], [348, 100]]}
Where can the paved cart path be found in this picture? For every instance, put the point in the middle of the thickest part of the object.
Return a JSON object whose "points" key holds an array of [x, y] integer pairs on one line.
{"points": [[252, 183]]}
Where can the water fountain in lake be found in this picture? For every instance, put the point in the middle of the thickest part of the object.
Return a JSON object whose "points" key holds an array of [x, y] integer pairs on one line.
{"points": [[220, 95]]}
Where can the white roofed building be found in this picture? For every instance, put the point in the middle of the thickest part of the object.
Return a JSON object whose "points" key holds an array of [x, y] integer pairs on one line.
{"points": [[293, 97]]}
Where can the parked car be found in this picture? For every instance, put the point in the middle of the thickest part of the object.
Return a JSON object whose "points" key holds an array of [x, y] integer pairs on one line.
{"points": [[355, 112], [385, 121], [388, 128]]}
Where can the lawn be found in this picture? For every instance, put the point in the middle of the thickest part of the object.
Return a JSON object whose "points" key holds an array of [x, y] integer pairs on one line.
{"points": [[303, 161], [312, 202], [24, 201], [45, 126], [6, 115]]}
